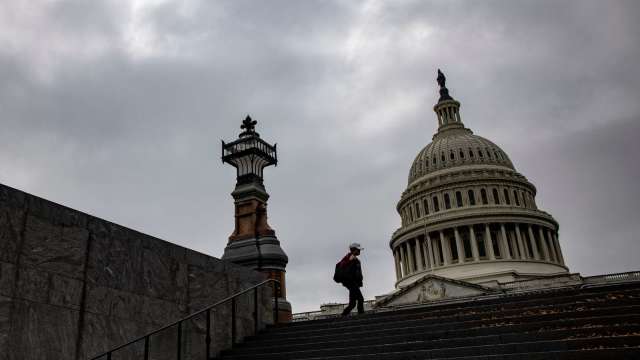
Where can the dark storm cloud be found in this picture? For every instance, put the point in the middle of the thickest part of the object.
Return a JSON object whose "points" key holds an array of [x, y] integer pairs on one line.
{"points": [[588, 186], [117, 108]]}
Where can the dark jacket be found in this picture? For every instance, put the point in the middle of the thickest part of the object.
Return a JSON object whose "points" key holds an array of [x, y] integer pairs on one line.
{"points": [[352, 272]]}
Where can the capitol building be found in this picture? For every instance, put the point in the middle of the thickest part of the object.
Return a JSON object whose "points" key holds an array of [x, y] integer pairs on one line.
{"points": [[470, 226], [468, 214]]}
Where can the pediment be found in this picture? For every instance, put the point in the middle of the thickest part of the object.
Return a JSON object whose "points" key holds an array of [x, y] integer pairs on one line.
{"points": [[432, 288]]}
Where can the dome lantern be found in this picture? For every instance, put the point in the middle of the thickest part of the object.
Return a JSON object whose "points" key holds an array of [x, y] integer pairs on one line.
{"points": [[447, 108], [249, 154]]}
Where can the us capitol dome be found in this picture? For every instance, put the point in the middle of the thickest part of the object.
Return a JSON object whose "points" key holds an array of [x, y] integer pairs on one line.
{"points": [[467, 214]]}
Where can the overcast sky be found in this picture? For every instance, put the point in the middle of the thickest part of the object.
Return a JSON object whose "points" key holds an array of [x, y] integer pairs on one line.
{"points": [[117, 108]]}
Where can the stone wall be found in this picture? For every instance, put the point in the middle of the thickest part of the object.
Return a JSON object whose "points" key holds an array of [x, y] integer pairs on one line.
{"points": [[73, 285]]}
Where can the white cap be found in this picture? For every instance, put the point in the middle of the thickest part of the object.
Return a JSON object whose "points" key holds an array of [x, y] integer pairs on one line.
{"points": [[356, 246]]}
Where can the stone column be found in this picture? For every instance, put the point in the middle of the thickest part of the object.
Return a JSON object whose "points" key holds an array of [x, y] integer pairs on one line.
{"points": [[534, 245], [521, 248], [446, 255], [403, 260], [552, 246], [419, 256], [397, 262], [430, 250], [427, 261], [459, 245], [558, 250], [412, 265], [505, 242], [437, 251], [489, 242], [543, 241], [407, 259], [515, 254], [400, 267], [474, 244]]}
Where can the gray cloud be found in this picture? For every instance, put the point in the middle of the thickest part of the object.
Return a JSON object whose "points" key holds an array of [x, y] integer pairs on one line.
{"points": [[117, 109]]}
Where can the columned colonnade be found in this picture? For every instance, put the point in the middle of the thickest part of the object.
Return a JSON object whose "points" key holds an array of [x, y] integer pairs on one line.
{"points": [[476, 243]]}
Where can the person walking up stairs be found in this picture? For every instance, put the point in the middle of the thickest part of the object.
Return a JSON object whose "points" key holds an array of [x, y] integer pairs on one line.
{"points": [[349, 273]]}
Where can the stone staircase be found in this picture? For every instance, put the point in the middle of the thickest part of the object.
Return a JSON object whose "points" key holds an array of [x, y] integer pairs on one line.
{"points": [[601, 322]]}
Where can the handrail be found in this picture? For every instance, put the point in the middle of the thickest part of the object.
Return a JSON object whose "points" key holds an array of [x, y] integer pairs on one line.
{"points": [[208, 311]]}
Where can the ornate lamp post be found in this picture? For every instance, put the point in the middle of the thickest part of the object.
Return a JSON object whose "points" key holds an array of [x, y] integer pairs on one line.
{"points": [[253, 242]]}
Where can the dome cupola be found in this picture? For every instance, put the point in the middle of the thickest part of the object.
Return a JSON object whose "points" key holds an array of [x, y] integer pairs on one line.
{"points": [[453, 144], [447, 109], [467, 214]]}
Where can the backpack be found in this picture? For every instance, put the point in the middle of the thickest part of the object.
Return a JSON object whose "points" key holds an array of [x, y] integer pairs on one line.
{"points": [[339, 273]]}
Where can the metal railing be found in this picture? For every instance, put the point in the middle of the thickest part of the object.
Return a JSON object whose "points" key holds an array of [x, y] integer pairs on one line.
{"points": [[249, 144], [208, 339]]}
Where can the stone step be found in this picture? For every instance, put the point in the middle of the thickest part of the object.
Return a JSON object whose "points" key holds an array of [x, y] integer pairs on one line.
{"points": [[593, 323], [632, 294], [422, 342], [451, 322], [418, 334], [551, 347], [626, 353], [467, 314]]}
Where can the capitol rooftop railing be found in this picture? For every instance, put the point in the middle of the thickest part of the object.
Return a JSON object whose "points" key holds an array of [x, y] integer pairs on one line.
{"points": [[610, 278], [308, 315], [587, 280], [145, 340], [324, 314]]}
